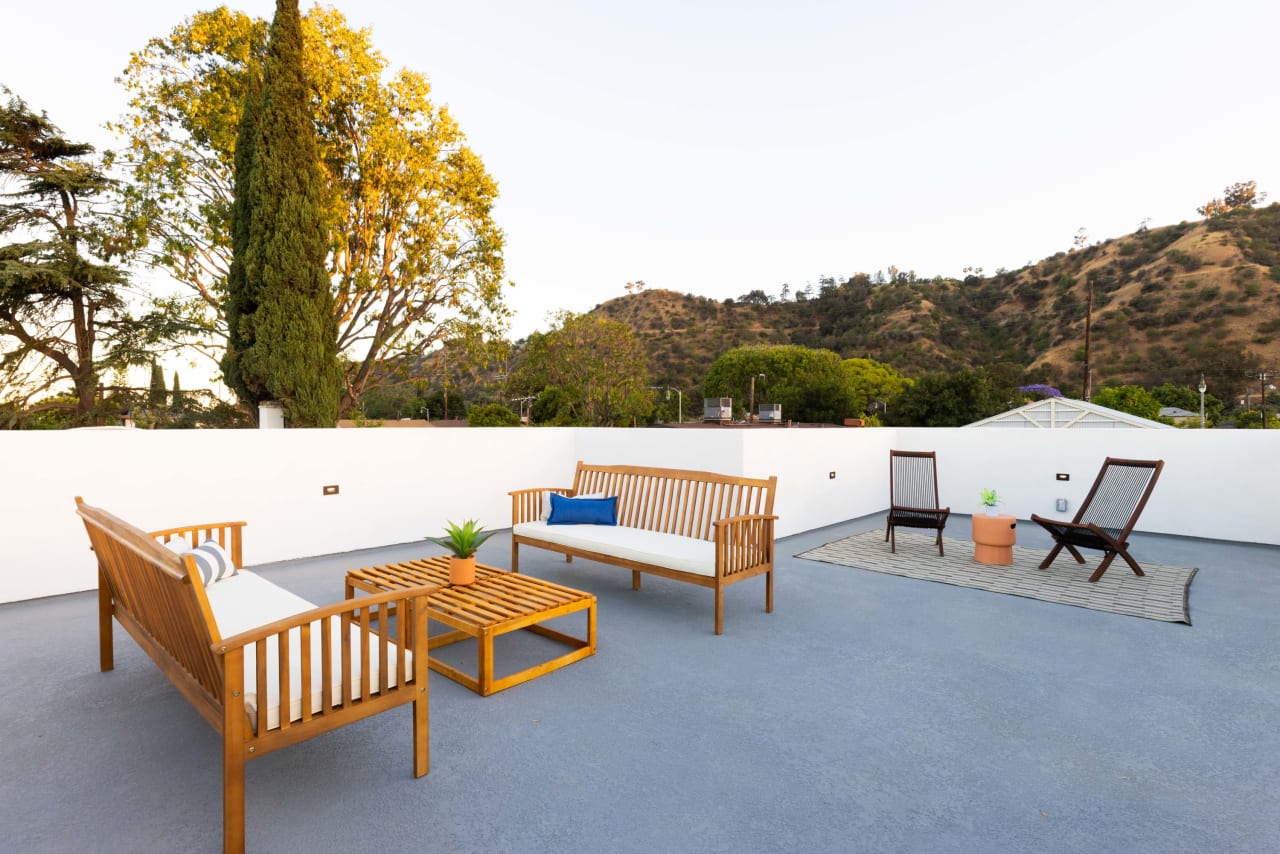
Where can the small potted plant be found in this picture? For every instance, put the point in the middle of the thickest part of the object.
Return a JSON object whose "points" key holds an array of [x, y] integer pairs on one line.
{"points": [[462, 541], [989, 498]]}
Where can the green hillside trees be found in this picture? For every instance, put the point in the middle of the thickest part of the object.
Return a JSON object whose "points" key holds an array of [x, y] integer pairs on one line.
{"points": [[811, 385]]}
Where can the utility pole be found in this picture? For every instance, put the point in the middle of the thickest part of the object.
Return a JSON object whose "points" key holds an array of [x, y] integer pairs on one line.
{"points": [[751, 407], [1263, 376]]}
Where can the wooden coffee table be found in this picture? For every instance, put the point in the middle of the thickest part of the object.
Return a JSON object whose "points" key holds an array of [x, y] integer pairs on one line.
{"points": [[497, 603]]}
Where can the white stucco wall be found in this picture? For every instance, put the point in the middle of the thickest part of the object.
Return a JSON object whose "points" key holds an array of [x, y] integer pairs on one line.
{"points": [[398, 486]]}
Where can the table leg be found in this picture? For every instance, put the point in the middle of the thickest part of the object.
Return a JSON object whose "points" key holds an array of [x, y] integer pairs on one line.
{"points": [[485, 644]]}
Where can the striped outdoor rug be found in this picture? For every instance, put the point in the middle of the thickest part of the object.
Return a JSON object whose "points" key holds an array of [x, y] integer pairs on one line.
{"points": [[1160, 595]]}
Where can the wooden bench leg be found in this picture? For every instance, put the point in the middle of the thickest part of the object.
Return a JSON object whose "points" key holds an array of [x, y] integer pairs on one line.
{"points": [[635, 579], [515, 556], [233, 724], [768, 592], [719, 610], [421, 733], [106, 640], [421, 676]]}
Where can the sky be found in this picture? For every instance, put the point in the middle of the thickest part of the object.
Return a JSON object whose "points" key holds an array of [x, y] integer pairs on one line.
{"points": [[716, 148]]}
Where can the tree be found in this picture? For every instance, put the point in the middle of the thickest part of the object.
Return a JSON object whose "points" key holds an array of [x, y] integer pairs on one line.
{"points": [[63, 310], [415, 257], [283, 333], [950, 400], [598, 365], [1132, 399], [1184, 397], [872, 382], [1239, 195], [810, 384], [157, 394], [756, 297], [492, 415]]}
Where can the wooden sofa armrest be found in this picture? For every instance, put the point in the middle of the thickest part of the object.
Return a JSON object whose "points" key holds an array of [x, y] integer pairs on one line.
{"points": [[410, 634], [526, 504], [743, 542], [227, 534], [347, 607]]}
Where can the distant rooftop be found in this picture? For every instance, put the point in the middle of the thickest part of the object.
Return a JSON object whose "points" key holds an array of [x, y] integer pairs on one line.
{"points": [[1066, 413]]}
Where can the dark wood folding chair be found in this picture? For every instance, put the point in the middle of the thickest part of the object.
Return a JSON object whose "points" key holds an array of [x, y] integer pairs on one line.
{"points": [[913, 495], [1108, 514]]}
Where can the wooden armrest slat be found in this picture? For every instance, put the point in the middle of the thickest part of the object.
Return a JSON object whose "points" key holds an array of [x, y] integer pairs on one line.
{"points": [[304, 648], [384, 647], [364, 654], [282, 673], [261, 681], [344, 643], [326, 665]]}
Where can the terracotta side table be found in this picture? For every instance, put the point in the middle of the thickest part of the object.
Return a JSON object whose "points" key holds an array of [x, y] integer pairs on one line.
{"points": [[994, 538]]}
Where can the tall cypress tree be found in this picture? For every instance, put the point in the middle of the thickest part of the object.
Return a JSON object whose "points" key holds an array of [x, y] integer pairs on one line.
{"points": [[157, 393], [283, 334]]}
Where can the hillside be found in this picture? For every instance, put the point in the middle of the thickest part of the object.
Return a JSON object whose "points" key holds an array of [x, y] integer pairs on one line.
{"points": [[1169, 303]]}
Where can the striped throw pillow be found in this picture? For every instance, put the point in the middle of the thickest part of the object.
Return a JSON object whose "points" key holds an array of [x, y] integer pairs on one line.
{"points": [[213, 562]]}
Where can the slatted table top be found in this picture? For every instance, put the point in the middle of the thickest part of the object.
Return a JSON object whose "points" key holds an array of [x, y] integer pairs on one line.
{"points": [[496, 598]]}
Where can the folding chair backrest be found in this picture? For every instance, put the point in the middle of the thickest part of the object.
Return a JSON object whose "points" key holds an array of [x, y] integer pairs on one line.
{"points": [[913, 479], [1119, 494]]}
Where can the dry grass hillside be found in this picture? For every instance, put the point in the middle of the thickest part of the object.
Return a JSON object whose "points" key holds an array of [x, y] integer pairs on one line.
{"points": [[1169, 303]]}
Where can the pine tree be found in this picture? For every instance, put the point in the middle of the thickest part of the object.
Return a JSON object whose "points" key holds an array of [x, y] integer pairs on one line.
{"points": [[63, 312], [177, 393], [283, 342]]}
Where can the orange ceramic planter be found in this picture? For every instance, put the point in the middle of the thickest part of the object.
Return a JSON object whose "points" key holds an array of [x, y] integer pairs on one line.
{"points": [[994, 538], [462, 570]]}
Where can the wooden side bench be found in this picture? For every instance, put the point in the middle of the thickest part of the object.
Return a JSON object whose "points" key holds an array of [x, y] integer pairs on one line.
{"points": [[702, 528], [322, 668]]}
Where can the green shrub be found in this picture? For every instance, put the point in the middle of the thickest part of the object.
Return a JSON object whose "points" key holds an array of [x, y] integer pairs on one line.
{"points": [[492, 415], [1185, 260]]}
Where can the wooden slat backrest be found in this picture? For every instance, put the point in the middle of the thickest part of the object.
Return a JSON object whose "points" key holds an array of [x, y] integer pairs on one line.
{"points": [[160, 591], [913, 479], [676, 501], [1119, 495]]}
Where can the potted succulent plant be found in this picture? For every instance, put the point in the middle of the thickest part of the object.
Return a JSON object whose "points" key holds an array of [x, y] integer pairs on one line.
{"points": [[462, 541], [988, 498]]}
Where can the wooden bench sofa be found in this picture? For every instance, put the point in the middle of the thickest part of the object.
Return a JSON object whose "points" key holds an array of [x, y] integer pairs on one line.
{"points": [[708, 529], [221, 644]]}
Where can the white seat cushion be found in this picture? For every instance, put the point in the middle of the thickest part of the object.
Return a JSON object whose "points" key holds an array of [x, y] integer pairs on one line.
{"points": [[246, 601], [670, 551]]}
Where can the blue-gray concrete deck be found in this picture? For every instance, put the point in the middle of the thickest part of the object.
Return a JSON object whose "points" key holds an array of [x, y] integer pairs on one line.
{"points": [[868, 713]]}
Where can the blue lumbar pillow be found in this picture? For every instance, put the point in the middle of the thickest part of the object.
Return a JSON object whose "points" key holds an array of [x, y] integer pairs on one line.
{"points": [[583, 511]]}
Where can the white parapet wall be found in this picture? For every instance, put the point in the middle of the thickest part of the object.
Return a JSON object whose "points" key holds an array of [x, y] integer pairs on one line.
{"points": [[398, 486]]}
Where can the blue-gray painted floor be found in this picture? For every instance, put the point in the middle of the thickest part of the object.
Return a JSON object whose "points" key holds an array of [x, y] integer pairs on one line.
{"points": [[868, 713]]}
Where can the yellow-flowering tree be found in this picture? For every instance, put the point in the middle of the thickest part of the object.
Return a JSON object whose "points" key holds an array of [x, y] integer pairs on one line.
{"points": [[415, 257]]}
